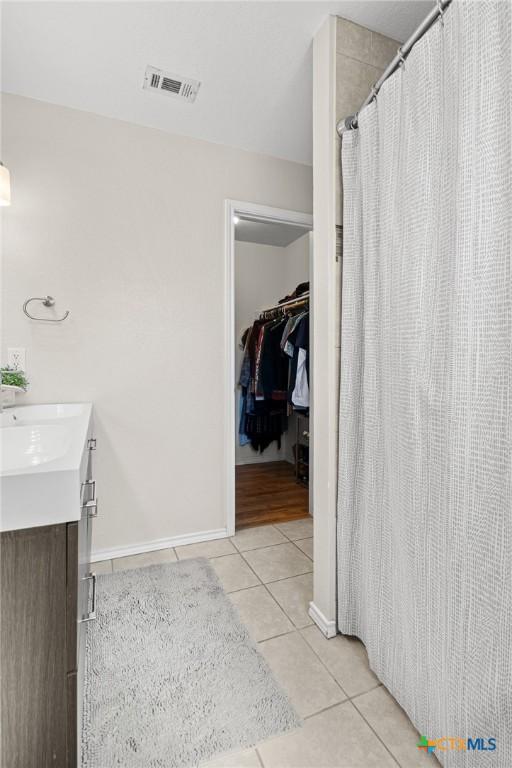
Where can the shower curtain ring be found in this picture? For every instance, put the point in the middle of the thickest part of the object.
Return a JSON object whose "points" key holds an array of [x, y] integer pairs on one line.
{"points": [[400, 55], [440, 11]]}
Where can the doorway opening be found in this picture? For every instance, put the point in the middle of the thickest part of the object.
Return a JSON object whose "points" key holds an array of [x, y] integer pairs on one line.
{"points": [[271, 253]]}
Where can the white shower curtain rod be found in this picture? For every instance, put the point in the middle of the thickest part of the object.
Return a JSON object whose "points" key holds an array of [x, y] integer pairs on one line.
{"points": [[351, 122]]}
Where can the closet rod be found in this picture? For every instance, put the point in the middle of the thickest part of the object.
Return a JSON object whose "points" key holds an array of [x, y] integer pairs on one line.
{"points": [[351, 122], [302, 299]]}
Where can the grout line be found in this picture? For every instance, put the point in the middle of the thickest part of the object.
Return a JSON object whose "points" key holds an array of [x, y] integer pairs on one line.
{"points": [[325, 709], [286, 578], [375, 732], [207, 557], [264, 546], [271, 596], [281, 634], [363, 693], [294, 631], [251, 568], [301, 550], [297, 630], [219, 557], [244, 589], [289, 578], [324, 665], [253, 528], [293, 521], [259, 757], [284, 534], [349, 698], [271, 546]]}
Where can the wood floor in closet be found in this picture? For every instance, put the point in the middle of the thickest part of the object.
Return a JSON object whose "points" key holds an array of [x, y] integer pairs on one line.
{"points": [[268, 493]]}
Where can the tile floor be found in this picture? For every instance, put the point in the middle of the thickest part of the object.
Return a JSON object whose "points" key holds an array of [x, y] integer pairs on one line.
{"points": [[350, 720]]}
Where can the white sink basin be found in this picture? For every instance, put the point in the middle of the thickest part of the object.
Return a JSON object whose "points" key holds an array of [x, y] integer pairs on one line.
{"points": [[24, 447], [43, 462], [37, 414]]}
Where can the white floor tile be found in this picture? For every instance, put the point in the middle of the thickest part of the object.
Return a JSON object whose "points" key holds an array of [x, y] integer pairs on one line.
{"points": [[297, 529], [294, 596], [306, 681], [337, 738], [145, 558], [306, 545], [255, 538], [234, 573], [215, 548], [279, 562], [395, 729], [345, 658], [260, 613]]}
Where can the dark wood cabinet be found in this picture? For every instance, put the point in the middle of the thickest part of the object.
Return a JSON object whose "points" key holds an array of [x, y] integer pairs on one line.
{"points": [[45, 594]]}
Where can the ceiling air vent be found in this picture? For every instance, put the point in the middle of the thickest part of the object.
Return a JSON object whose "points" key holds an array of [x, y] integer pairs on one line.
{"points": [[173, 85]]}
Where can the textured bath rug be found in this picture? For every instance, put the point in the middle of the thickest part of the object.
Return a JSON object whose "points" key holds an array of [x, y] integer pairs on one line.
{"points": [[172, 677]]}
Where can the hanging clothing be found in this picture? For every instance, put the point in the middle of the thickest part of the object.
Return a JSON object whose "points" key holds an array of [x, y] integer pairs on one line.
{"points": [[300, 394], [243, 438], [272, 380], [274, 364], [299, 340], [290, 327]]}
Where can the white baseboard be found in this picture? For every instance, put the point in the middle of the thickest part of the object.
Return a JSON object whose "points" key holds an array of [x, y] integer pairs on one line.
{"points": [[260, 458], [151, 546], [263, 460], [327, 627]]}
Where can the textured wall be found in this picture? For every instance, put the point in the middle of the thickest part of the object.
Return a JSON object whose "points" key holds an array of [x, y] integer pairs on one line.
{"points": [[361, 57], [124, 225]]}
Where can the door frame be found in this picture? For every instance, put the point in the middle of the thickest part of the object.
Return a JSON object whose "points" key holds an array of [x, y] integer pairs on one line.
{"points": [[259, 213]]}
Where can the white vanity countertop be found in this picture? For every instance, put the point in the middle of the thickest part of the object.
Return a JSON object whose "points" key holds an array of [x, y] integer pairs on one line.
{"points": [[43, 463]]}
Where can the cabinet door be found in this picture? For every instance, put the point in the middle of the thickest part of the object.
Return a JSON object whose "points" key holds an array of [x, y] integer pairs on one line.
{"points": [[33, 648], [73, 714]]}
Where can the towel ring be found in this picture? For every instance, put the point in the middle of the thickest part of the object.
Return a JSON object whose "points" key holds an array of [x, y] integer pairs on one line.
{"points": [[48, 301]]}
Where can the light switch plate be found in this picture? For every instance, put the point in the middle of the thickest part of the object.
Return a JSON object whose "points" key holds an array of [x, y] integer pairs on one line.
{"points": [[16, 358]]}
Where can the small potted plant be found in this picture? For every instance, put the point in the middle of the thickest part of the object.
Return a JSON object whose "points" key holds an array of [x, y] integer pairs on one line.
{"points": [[13, 381]]}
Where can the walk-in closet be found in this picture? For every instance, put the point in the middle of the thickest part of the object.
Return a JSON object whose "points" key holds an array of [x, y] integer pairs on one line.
{"points": [[272, 371]]}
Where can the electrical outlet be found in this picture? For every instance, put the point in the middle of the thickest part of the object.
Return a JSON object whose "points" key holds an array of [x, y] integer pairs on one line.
{"points": [[16, 358]]}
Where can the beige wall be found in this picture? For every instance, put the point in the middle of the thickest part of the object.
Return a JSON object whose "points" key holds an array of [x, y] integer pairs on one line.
{"points": [[347, 60], [263, 275], [124, 226], [322, 426]]}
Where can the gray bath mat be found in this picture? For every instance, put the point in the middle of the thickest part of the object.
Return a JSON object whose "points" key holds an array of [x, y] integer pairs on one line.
{"points": [[172, 677]]}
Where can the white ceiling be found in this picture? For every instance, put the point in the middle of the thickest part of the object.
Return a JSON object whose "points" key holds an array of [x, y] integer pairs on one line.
{"points": [[253, 58], [268, 232]]}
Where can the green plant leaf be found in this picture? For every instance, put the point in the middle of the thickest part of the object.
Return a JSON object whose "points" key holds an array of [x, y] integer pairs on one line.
{"points": [[13, 378]]}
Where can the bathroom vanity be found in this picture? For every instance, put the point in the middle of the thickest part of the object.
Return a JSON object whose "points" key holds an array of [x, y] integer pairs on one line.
{"points": [[48, 594]]}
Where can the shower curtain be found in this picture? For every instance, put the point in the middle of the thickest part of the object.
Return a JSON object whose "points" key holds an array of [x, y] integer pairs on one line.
{"points": [[425, 465]]}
